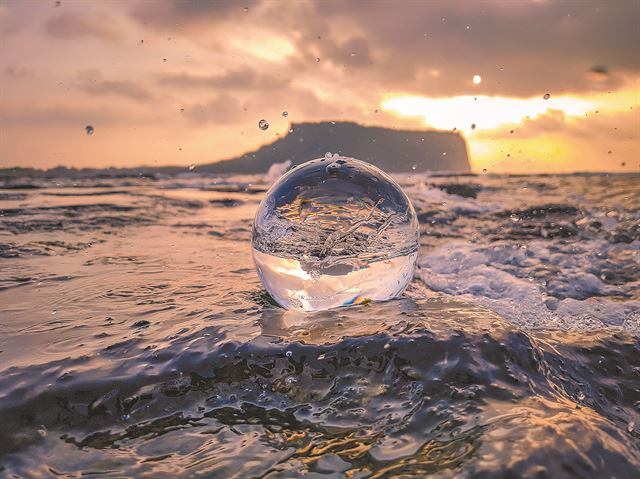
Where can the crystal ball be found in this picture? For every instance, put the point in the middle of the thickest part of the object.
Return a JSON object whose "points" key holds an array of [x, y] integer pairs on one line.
{"points": [[333, 232]]}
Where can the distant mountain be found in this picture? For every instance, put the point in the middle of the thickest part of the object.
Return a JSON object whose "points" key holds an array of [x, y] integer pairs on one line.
{"points": [[394, 151]]}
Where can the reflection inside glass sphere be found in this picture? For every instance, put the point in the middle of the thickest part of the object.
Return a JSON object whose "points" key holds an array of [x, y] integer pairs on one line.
{"points": [[333, 232]]}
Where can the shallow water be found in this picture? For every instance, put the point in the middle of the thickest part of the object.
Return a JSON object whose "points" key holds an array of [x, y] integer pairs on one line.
{"points": [[137, 340]]}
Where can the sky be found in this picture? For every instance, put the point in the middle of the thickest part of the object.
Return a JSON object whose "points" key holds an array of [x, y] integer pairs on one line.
{"points": [[535, 86]]}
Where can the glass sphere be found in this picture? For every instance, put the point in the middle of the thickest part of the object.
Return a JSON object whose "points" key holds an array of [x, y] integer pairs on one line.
{"points": [[333, 232]]}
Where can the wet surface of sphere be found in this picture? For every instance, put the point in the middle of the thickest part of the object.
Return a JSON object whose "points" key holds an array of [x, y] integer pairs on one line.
{"points": [[333, 232]]}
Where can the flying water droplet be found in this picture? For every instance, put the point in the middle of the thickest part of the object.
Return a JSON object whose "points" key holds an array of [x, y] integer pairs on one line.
{"points": [[191, 167], [263, 124], [285, 113], [546, 96], [337, 234], [89, 129]]}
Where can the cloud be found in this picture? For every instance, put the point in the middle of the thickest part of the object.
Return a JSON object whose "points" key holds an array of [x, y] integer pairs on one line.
{"points": [[8, 22], [171, 13], [69, 26], [224, 108], [354, 52], [241, 78], [520, 49], [300, 103], [605, 126], [18, 72], [56, 116], [92, 83]]}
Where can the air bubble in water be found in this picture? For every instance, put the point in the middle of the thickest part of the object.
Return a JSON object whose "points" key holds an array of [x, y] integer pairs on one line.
{"points": [[334, 233], [263, 124], [89, 129]]}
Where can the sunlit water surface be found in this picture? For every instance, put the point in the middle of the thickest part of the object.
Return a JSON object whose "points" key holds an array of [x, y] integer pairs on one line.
{"points": [[136, 338]]}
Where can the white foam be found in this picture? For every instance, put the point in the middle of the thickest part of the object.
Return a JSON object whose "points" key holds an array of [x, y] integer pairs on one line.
{"points": [[493, 277]]}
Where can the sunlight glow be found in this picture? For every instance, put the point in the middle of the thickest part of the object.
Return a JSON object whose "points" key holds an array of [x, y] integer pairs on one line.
{"points": [[270, 48], [485, 112]]}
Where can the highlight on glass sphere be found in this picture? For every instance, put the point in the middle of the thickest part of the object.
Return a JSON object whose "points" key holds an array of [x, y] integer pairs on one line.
{"points": [[333, 232]]}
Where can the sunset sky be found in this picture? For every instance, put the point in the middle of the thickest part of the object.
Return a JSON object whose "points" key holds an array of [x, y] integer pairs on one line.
{"points": [[549, 86]]}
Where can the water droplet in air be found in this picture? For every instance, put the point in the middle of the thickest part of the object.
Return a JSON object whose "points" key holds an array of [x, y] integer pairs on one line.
{"points": [[631, 426], [334, 235], [245, 9], [546, 96], [317, 59], [477, 79], [414, 167], [328, 154], [581, 396], [89, 129], [191, 167], [164, 59], [285, 114], [473, 126], [263, 124], [289, 354]]}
